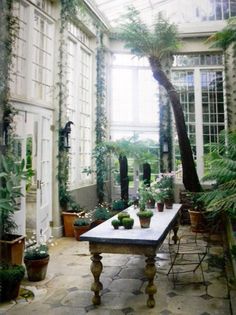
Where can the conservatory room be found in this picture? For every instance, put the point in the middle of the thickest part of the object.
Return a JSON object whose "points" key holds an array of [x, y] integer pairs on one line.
{"points": [[118, 159]]}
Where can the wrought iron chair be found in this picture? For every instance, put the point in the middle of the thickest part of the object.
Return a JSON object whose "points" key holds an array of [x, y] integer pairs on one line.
{"points": [[187, 255]]}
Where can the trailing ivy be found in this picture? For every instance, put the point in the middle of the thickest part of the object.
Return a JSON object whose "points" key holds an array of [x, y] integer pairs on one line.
{"points": [[101, 119], [9, 26]]}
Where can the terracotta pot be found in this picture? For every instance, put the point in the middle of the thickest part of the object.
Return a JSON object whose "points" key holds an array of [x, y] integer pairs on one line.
{"points": [[36, 268], [145, 222], [68, 221], [168, 204], [79, 230], [160, 206], [12, 249], [197, 220]]}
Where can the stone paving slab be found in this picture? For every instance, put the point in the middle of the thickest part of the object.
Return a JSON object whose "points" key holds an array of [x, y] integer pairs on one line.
{"points": [[66, 289]]}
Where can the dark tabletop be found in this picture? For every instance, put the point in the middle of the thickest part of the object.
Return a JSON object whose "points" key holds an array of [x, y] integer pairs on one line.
{"points": [[161, 224]]}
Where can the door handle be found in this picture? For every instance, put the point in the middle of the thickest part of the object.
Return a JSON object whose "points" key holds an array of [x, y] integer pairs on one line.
{"points": [[39, 184]]}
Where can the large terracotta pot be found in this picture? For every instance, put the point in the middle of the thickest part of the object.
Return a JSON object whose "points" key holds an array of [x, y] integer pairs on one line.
{"points": [[12, 249], [197, 220], [36, 268], [68, 221], [79, 230]]}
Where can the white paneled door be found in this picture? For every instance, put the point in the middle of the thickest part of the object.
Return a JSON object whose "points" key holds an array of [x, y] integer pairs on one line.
{"points": [[44, 176], [34, 138]]}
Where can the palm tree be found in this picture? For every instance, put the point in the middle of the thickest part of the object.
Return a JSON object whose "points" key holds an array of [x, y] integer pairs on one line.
{"points": [[227, 36], [158, 44]]}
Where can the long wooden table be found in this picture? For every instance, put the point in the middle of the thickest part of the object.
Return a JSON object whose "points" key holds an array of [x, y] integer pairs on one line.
{"points": [[137, 241]]}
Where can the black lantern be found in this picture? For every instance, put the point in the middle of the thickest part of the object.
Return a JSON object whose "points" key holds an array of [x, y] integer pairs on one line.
{"points": [[65, 132]]}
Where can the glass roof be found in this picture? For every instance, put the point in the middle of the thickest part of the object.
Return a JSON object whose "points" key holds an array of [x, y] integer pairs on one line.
{"points": [[178, 11], [113, 10]]}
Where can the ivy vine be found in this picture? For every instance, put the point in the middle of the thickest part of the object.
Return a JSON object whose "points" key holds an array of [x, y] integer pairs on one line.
{"points": [[9, 27], [101, 119]]}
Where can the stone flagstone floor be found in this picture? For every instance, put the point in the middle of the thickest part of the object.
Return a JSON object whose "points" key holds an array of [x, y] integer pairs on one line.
{"points": [[66, 289]]}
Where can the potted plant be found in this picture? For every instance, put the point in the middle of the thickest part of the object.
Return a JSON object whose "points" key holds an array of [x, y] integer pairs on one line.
{"points": [[128, 223], [145, 218], [219, 200], [73, 210], [81, 225], [12, 172], [146, 195], [197, 214], [10, 280], [36, 259], [100, 214], [122, 215], [165, 184], [119, 205], [116, 224]]}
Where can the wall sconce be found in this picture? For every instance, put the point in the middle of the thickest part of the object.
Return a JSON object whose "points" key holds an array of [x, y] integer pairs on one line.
{"points": [[65, 132]]}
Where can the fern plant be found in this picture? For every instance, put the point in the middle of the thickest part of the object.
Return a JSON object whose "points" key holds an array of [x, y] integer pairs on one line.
{"points": [[221, 199]]}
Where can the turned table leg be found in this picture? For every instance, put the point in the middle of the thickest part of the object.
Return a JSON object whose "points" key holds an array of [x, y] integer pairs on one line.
{"points": [[175, 229], [96, 269], [150, 271]]}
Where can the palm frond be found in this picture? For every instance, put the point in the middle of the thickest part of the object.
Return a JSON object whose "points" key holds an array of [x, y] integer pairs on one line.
{"points": [[159, 40]]}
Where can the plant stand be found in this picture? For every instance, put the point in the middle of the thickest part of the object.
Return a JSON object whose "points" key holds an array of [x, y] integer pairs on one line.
{"points": [[36, 268]]}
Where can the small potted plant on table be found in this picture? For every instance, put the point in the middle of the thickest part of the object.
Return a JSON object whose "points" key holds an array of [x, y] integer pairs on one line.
{"points": [[144, 216]]}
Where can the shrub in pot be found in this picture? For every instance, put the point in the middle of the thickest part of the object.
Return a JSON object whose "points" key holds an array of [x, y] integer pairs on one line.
{"points": [[100, 215], [128, 223], [36, 259], [116, 224], [81, 225], [122, 215], [10, 280], [145, 218]]}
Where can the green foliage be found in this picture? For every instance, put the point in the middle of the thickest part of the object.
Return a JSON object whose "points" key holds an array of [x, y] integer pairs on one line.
{"points": [[102, 213], [160, 41], [221, 198], [81, 222], [12, 172], [13, 273], [119, 204], [145, 214], [37, 251], [116, 223], [128, 223], [224, 38], [123, 215]]}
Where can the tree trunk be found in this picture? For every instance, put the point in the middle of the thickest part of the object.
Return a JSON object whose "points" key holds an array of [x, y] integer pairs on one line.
{"points": [[124, 180], [146, 174], [190, 177]]}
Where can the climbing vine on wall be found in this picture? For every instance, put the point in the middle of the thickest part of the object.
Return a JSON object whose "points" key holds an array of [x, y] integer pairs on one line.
{"points": [[101, 119], [9, 27]]}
